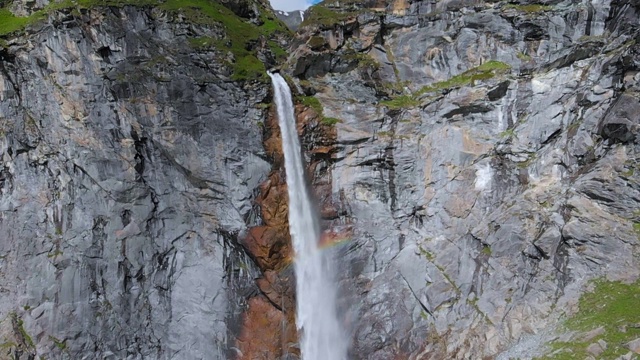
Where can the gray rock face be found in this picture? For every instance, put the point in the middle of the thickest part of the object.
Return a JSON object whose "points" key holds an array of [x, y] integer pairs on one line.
{"points": [[480, 208], [485, 163], [291, 18], [128, 167]]}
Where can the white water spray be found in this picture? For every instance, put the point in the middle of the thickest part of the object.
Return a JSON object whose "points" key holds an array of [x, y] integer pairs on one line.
{"points": [[322, 337]]}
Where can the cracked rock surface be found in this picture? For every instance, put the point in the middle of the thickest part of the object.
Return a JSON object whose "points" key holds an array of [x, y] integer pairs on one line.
{"points": [[129, 166], [486, 159]]}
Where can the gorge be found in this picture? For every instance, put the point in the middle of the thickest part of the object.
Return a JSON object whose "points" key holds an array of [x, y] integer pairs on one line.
{"points": [[473, 165]]}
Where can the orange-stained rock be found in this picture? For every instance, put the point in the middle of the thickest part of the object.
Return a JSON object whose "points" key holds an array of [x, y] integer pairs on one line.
{"points": [[269, 246], [268, 328], [273, 139], [323, 150], [274, 201], [266, 334], [279, 287]]}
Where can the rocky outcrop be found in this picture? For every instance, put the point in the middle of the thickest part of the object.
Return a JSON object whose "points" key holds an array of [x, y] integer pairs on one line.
{"points": [[485, 158], [293, 19], [131, 157]]}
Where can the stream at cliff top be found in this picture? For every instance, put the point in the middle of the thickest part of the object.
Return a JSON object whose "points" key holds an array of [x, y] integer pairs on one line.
{"points": [[322, 336]]}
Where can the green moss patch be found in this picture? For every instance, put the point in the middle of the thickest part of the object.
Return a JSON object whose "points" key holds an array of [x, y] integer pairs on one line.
{"points": [[314, 103], [329, 121], [483, 72], [326, 17], [615, 306], [401, 102]]}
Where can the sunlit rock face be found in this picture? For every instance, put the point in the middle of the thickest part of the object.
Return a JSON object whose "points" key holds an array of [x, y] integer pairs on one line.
{"points": [[475, 165], [130, 166], [485, 163]]}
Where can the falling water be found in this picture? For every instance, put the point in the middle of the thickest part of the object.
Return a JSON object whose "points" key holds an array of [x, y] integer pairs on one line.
{"points": [[322, 335]]}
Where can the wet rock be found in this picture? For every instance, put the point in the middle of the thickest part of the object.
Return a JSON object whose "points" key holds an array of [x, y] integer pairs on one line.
{"points": [[263, 335]]}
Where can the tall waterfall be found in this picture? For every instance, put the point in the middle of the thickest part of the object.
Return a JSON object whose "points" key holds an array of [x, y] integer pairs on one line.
{"points": [[322, 337]]}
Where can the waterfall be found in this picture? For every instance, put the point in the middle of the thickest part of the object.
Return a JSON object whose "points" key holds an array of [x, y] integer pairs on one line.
{"points": [[322, 337]]}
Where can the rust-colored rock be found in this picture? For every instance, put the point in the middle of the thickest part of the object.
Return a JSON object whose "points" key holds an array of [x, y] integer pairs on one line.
{"points": [[279, 287], [269, 246], [274, 201], [266, 333], [268, 328]]}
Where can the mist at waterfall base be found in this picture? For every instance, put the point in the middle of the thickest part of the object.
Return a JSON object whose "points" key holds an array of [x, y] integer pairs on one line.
{"points": [[322, 336]]}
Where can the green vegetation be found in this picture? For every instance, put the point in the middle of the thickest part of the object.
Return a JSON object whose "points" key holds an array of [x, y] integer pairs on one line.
{"points": [[401, 102], [328, 13], [522, 56], [507, 133], [316, 42], [7, 345], [325, 17], [55, 254], [278, 51], [486, 250], [330, 121], [485, 71], [202, 42], [10, 23], [312, 102], [591, 38], [365, 61], [530, 8], [525, 164], [240, 33], [23, 332], [611, 305], [427, 254], [62, 345]]}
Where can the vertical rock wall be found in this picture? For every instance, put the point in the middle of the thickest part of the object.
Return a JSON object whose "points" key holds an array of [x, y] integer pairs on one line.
{"points": [[486, 160], [130, 165]]}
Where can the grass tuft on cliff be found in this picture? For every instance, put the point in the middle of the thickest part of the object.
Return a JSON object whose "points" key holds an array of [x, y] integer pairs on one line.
{"points": [[328, 13], [314, 103], [614, 306], [485, 71]]}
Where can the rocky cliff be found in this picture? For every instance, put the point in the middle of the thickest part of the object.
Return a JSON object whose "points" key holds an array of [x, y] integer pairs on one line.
{"points": [[475, 165], [132, 155], [485, 160]]}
